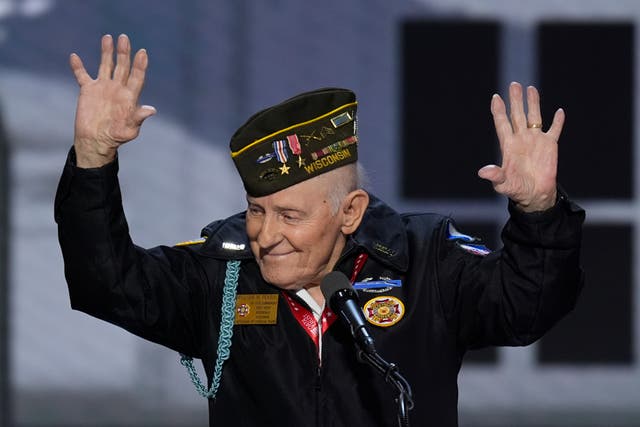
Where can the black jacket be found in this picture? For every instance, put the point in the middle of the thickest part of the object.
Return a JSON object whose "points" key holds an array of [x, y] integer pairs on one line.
{"points": [[454, 300]]}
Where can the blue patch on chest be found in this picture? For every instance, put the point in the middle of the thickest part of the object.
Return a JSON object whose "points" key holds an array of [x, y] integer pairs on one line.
{"points": [[378, 284]]}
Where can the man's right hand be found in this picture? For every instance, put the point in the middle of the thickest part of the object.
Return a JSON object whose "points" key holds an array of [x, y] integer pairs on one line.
{"points": [[108, 114]]}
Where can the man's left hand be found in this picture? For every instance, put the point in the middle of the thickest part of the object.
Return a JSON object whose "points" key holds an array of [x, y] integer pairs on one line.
{"points": [[529, 156]]}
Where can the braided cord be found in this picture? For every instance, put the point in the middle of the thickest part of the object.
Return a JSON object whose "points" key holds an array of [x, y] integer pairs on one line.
{"points": [[226, 332]]}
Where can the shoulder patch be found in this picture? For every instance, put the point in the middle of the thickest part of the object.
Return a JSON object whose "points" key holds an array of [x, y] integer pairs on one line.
{"points": [[191, 242], [233, 246], [453, 234], [475, 249], [465, 242]]}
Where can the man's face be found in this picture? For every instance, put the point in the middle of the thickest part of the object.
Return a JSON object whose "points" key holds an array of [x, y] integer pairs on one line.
{"points": [[295, 235]]}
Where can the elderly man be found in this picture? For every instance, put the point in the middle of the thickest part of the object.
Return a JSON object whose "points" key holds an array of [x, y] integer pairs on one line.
{"points": [[246, 299]]}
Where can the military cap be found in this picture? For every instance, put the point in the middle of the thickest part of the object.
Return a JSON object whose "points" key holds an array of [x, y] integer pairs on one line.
{"points": [[302, 137]]}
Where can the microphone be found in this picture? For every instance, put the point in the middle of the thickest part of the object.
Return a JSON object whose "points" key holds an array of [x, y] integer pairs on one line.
{"points": [[343, 301]]}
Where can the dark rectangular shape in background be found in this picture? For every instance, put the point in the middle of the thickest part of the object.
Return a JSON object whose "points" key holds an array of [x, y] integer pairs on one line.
{"points": [[587, 69], [599, 330], [449, 72]]}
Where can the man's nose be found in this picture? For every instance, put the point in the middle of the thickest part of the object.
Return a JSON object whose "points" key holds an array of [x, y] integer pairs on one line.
{"points": [[270, 233]]}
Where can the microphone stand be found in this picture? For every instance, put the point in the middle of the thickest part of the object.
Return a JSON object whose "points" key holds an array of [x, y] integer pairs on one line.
{"points": [[392, 376]]}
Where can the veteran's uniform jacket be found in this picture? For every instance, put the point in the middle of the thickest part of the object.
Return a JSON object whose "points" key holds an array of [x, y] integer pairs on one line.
{"points": [[450, 300]]}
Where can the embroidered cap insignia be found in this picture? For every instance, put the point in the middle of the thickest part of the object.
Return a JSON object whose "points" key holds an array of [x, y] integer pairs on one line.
{"points": [[341, 119], [284, 169], [265, 158]]}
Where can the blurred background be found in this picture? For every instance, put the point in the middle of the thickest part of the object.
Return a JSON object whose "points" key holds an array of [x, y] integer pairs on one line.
{"points": [[424, 72]]}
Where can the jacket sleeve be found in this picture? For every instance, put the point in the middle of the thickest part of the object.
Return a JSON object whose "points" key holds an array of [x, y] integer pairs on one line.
{"points": [[512, 296], [158, 294]]}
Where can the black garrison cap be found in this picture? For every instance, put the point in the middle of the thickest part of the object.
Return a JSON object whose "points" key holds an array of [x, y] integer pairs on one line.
{"points": [[302, 137]]}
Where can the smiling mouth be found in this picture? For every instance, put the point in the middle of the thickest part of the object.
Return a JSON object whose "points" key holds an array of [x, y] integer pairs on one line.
{"points": [[276, 255]]}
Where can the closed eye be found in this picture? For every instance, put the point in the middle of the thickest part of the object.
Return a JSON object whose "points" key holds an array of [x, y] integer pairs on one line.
{"points": [[290, 216], [254, 210]]}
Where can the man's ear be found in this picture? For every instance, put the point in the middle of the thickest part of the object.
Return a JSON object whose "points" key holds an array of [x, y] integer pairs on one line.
{"points": [[353, 207]]}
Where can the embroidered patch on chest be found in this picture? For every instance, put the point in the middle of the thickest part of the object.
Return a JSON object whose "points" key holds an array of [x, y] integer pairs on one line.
{"points": [[384, 311], [382, 284]]}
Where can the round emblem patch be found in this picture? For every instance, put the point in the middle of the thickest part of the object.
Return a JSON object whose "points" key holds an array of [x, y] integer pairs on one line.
{"points": [[243, 310], [384, 311]]}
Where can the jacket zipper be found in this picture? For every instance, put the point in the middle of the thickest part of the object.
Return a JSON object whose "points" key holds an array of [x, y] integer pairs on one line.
{"points": [[318, 392]]}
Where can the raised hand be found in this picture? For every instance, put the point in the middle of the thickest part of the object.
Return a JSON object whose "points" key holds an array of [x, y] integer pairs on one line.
{"points": [[529, 156], [108, 114]]}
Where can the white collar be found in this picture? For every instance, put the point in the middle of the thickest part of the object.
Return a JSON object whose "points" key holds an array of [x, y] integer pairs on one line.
{"points": [[312, 303]]}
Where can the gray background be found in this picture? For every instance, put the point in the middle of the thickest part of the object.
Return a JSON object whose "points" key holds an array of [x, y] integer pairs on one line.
{"points": [[213, 63]]}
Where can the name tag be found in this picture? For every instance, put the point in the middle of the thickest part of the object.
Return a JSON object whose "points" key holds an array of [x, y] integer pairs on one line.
{"points": [[256, 309]]}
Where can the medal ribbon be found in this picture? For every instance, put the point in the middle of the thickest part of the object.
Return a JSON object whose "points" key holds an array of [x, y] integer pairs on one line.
{"points": [[305, 317], [281, 151], [294, 144]]}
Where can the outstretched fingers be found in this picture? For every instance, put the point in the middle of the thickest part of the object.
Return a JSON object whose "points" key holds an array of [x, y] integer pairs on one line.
{"points": [[534, 116], [82, 77], [123, 56], [140, 63], [492, 173], [557, 124], [516, 106], [142, 113], [500, 119], [106, 60]]}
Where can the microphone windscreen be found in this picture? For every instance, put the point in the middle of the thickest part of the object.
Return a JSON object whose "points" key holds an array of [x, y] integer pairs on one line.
{"points": [[333, 282]]}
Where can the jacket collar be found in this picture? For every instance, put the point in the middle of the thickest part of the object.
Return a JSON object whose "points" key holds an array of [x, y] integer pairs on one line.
{"points": [[382, 234], [227, 239]]}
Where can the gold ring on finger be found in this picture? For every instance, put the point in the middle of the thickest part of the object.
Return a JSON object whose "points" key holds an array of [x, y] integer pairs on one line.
{"points": [[534, 125]]}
